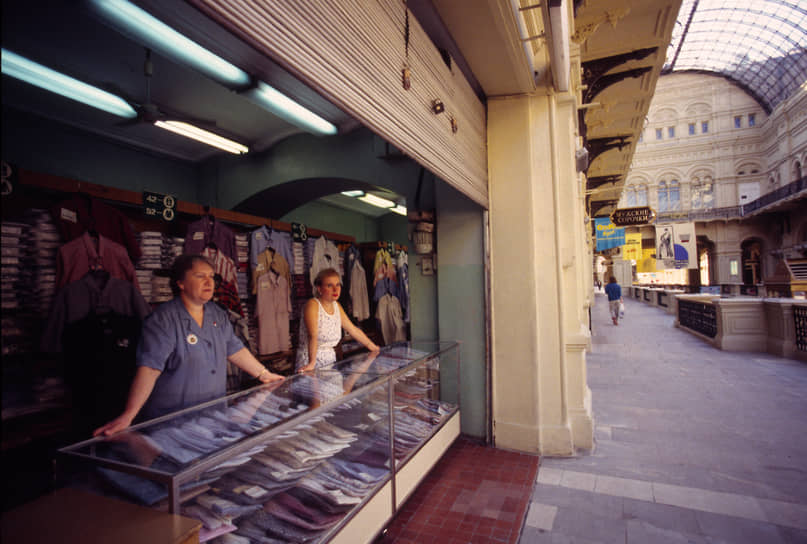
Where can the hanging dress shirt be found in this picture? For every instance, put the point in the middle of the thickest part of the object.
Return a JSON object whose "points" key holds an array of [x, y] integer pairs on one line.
{"points": [[273, 308], [80, 213], [208, 231], [263, 238], [358, 292], [226, 292], [326, 255], [79, 256]]}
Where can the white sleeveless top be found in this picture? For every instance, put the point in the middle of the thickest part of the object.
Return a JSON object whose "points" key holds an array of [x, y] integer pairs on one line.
{"points": [[329, 332]]}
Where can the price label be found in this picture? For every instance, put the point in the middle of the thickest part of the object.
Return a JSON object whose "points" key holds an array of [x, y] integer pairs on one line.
{"points": [[299, 233], [159, 205]]}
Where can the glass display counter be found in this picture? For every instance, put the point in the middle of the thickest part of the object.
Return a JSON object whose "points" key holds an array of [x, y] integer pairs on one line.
{"points": [[323, 456]]}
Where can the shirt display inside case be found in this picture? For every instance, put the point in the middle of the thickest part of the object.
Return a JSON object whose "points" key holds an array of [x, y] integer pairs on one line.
{"points": [[326, 456]]}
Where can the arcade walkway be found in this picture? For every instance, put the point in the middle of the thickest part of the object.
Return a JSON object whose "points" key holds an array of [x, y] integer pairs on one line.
{"points": [[694, 445]]}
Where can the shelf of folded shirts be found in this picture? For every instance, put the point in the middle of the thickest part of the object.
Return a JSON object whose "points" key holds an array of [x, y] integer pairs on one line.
{"points": [[325, 438]]}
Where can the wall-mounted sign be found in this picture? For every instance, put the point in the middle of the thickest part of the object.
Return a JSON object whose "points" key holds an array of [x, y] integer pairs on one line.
{"points": [[625, 217], [298, 232], [159, 205]]}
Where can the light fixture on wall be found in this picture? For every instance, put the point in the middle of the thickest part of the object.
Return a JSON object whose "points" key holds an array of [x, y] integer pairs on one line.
{"points": [[399, 209], [438, 107], [200, 135], [143, 27], [21, 68], [353, 194], [377, 201]]}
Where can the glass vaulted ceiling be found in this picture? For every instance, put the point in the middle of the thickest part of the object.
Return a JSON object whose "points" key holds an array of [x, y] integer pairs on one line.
{"points": [[759, 44]]}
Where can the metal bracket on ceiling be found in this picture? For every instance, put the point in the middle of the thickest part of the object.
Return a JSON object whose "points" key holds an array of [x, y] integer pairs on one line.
{"points": [[598, 181], [598, 146], [595, 69]]}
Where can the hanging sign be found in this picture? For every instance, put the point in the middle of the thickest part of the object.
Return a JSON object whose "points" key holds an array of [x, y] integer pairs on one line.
{"points": [[625, 217], [298, 232], [607, 234], [158, 205]]}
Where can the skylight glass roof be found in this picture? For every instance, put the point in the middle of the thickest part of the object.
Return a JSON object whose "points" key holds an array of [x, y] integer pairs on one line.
{"points": [[759, 44]]}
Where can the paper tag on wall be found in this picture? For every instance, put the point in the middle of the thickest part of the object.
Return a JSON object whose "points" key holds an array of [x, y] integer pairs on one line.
{"points": [[199, 235]]}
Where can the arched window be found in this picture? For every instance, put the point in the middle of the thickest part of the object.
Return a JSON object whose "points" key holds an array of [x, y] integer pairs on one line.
{"points": [[630, 196], [674, 196], [641, 195], [703, 196], [663, 197]]}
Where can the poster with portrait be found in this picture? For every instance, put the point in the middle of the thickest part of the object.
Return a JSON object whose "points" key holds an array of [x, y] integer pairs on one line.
{"points": [[676, 246]]}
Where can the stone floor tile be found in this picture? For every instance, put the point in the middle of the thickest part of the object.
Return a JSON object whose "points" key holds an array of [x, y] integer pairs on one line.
{"points": [[662, 516], [541, 516], [624, 487], [578, 480], [709, 501], [548, 475], [641, 532], [578, 524], [735, 530], [783, 513]]}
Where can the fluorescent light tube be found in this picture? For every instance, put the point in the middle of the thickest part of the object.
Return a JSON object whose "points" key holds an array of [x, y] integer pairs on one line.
{"points": [[353, 193], [138, 24], [19, 67], [400, 210], [377, 201], [283, 106], [196, 133]]}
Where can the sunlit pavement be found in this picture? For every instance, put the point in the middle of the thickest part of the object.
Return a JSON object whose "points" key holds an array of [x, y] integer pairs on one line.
{"points": [[693, 444]]}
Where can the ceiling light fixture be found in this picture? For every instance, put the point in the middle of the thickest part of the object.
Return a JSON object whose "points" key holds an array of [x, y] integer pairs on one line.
{"points": [[198, 134], [19, 67], [133, 21], [377, 201], [438, 107], [400, 210], [281, 105], [353, 193], [143, 27]]}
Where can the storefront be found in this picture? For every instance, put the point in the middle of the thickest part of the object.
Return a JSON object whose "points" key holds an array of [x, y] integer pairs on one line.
{"points": [[431, 162]]}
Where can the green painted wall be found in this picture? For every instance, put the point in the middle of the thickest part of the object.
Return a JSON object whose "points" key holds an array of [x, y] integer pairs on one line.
{"points": [[461, 298], [350, 156], [39, 145], [323, 216]]}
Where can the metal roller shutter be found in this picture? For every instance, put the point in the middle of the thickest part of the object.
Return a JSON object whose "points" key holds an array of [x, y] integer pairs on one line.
{"points": [[352, 52]]}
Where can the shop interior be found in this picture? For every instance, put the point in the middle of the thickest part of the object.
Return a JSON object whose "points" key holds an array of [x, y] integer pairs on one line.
{"points": [[294, 179]]}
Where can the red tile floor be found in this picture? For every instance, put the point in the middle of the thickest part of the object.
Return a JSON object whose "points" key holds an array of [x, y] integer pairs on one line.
{"points": [[475, 494]]}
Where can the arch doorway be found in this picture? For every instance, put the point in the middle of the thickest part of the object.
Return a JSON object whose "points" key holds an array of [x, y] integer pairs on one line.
{"points": [[752, 261]]}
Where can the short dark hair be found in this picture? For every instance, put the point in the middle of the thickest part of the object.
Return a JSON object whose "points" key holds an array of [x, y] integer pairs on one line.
{"points": [[612, 280], [181, 265], [325, 273]]}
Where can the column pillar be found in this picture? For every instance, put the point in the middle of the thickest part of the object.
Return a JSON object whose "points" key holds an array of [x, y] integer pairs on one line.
{"points": [[540, 400]]}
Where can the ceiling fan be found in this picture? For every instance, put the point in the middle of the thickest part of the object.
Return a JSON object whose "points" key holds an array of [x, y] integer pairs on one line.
{"points": [[150, 113]]}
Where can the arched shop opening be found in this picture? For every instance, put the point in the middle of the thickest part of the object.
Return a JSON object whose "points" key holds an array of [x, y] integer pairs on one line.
{"points": [[288, 176]]}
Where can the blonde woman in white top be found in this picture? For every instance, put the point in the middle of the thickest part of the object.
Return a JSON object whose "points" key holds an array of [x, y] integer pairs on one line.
{"points": [[322, 324]]}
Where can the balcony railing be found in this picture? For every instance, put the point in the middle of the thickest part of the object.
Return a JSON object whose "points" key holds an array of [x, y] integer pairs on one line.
{"points": [[733, 212], [698, 316], [774, 196], [800, 319]]}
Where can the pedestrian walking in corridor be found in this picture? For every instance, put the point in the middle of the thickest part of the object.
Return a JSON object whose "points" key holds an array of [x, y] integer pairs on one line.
{"points": [[614, 292]]}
